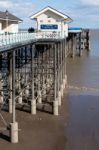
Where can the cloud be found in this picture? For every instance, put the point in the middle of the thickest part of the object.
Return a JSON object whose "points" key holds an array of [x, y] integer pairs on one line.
{"points": [[84, 15], [90, 2], [5, 4], [19, 8]]}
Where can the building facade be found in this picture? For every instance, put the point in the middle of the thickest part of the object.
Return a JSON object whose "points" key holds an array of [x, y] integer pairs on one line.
{"points": [[51, 20], [9, 23]]}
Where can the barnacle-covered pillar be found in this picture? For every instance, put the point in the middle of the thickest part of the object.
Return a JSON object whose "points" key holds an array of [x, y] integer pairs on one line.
{"points": [[33, 100], [14, 124], [55, 103]]}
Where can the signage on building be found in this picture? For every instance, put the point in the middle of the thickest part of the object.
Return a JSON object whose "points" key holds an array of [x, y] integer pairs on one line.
{"points": [[49, 27]]}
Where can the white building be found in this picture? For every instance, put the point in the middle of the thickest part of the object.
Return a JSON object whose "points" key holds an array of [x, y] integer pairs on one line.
{"points": [[51, 20], [9, 23]]}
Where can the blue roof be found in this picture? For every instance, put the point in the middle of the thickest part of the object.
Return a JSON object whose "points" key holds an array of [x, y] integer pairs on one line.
{"points": [[75, 28]]}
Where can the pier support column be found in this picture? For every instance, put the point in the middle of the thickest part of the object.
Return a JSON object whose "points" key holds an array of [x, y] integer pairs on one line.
{"points": [[62, 90], [33, 101], [56, 102], [59, 98], [39, 80], [64, 83], [65, 79], [87, 40], [1, 90], [27, 91], [1, 97], [10, 82], [39, 90], [80, 49], [73, 46], [65, 63], [61, 70], [1, 82], [43, 86], [58, 75], [39, 97], [14, 124]]}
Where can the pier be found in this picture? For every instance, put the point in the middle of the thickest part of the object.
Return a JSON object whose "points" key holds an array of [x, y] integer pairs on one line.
{"points": [[33, 72]]}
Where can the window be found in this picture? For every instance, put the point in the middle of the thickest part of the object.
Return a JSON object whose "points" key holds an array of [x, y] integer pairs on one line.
{"points": [[41, 20], [49, 20]]}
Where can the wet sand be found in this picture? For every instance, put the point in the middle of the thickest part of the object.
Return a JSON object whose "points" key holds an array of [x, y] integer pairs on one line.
{"points": [[83, 125], [77, 126], [40, 132]]}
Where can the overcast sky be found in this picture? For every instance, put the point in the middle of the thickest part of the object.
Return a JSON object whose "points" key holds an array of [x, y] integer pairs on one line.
{"points": [[85, 13]]}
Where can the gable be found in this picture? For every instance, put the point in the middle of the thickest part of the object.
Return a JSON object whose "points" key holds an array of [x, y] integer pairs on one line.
{"points": [[48, 15], [52, 12], [53, 15]]}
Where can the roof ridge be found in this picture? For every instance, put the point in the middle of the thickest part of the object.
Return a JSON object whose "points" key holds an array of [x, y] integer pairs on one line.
{"points": [[62, 14], [10, 16]]}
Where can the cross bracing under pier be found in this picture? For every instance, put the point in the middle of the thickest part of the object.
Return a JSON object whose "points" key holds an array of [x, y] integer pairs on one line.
{"points": [[33, 76]]}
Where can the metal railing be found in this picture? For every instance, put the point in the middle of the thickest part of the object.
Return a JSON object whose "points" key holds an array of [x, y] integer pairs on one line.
{"points": [[22, 37]]}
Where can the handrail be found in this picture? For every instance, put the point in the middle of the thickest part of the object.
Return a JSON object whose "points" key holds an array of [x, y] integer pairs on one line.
{"points": [[10, 39]]}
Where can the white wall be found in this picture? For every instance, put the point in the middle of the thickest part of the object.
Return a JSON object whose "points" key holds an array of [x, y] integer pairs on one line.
{"points": [[66, 29], [1, 31], [0, 26], [44, 20], [54, 19], [12, 27]]}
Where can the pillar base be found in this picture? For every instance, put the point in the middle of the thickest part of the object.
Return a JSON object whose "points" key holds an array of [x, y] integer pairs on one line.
{"points": [[27, 92], [64, 83], [20, 100], [14, 132], [65, 79], [1, 99], [10, 106], [62, 90], [44, 91], [33, 107], [55, 108], [59, 98], [73, 55], [39, 97]]}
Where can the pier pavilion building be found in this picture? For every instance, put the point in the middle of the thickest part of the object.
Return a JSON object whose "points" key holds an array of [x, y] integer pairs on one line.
{"points": [[9, 23], [52, 21]]}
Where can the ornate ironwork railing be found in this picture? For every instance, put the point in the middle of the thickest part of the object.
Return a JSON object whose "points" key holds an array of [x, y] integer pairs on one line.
{"points": [[10, 39]]}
